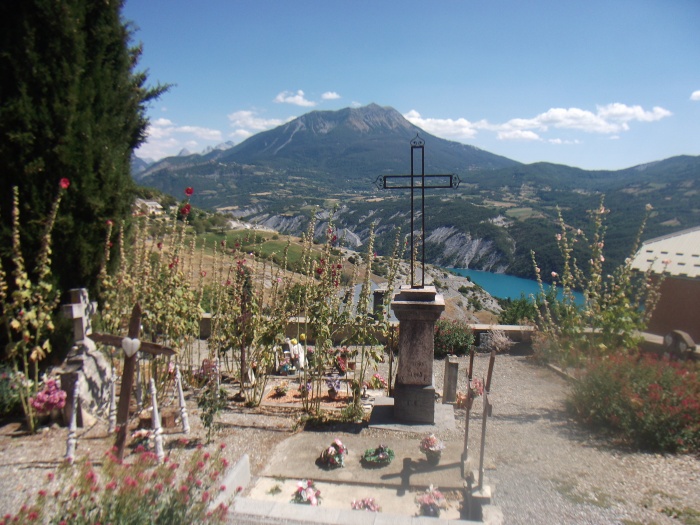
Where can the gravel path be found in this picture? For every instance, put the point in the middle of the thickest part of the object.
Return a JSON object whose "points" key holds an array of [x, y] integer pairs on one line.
{"points": [[546, 469]]}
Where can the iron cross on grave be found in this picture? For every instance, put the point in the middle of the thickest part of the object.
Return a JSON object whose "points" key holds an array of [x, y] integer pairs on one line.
{"points": [[417, 181]]}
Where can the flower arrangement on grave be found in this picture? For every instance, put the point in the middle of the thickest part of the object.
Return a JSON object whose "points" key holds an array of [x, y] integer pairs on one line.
{"points": [[307, 493], [341, 364], [333, 384], [376, 382], [334, 456], [311, 356], [285, 366], [430, 502], [365, 504], [305, 388], [281, 389], [49, 399], [141, 438], [432, 447], [377, 457], [477, 387]]}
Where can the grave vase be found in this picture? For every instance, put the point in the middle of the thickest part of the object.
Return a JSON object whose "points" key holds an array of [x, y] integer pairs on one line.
{"points": [[433, 456], [431, 510]]}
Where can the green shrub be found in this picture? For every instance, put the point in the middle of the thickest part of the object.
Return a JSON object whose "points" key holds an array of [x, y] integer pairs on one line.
{"points": [[651, 403], [9, 390], [452, 337], [517, 311]]}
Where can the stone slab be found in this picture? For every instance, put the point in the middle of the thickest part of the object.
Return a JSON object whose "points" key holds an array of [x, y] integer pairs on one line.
{"points": [[336, 503], [414, 404], [383, 417], [295, 458]]}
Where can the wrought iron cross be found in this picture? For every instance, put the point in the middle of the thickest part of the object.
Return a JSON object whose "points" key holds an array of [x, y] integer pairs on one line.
{"points": [[417, 181]]}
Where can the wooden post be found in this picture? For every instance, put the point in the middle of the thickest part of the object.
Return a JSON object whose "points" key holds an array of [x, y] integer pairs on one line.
{"points": [[113, 402], [184, 419], [465, 450], [486, 413], [127, 384]]}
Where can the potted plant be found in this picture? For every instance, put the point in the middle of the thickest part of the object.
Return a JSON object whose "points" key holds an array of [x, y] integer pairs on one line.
{"points": [[334, 456], [432, 447], [307, 493], [430, 502], [377, 457], [333, 384]]}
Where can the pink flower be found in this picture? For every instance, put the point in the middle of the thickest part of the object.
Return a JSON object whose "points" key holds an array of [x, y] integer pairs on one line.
{"points": [[189, 191], [109, 222], [555, 275], [64, 183]]}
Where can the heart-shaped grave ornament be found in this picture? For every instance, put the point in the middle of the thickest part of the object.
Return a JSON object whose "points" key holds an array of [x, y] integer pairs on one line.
{"points": [[130, 346]]}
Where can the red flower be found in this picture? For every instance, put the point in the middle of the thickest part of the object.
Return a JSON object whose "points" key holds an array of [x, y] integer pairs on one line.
{"points": [[64, 183], [319, 271], [185, 210], [160, 245], [189, 191]]}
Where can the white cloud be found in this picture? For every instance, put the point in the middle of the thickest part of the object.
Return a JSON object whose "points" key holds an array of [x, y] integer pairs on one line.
{"points": [[609, 119], [518, 134], [249, 120], [298, 99], [456, 128], [165, 138], [202, 133], [330, 95], [695, 95]]}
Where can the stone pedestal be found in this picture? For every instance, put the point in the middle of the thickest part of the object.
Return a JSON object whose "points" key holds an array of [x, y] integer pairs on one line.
{"points": [[414, 393], [449, 388]]}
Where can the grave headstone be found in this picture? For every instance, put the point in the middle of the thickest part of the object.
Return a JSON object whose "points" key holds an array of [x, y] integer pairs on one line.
{"points": [[84, 361], [414, 392]]}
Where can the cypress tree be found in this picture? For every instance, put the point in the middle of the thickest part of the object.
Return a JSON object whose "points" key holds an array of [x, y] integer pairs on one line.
{"points": [[71, 105]]}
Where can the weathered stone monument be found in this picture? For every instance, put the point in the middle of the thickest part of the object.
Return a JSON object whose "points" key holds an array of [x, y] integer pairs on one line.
{"points": [[84, 361], [414, 392], [416, 306]]}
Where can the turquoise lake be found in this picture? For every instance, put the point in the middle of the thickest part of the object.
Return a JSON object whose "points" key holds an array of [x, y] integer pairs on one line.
{"points": [[504, 286]]}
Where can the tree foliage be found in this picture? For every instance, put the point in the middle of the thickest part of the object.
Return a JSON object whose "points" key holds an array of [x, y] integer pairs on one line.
{"points": [[73, 107]]}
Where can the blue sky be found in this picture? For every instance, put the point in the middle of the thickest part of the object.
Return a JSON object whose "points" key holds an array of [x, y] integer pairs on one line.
{"points": [[601, 84]]}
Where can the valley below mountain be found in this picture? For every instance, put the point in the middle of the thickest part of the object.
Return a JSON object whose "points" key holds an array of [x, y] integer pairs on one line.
{"points": [[327, 162]]}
